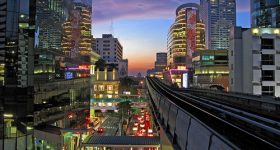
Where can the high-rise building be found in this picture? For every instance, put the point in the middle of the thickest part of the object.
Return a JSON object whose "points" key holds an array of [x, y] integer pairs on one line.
{"points": [[50, 15], [185, 36], [161, 61], [265, 13], [109, 48], [123, 68], [254, 61], [77, 38], [160, 64], [16, 69], [35, 73], [219, 16]]}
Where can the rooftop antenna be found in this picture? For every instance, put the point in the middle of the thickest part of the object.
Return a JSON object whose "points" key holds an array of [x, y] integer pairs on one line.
{"points": [[112, 27]]}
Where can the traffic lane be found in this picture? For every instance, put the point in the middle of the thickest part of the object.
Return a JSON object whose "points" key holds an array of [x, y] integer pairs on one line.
{"points": [[110, 126]]}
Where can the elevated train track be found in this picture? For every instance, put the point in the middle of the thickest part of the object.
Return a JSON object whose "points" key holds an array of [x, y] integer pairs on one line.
{"points": [[262, 105], [245, 129]]}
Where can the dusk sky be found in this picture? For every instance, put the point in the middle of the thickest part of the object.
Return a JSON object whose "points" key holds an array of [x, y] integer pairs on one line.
{"points": [[142, 26]]}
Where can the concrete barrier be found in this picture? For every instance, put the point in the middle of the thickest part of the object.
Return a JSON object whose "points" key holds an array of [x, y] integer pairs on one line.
{"points": [[165, 112], [198, 136], [172, 119], [218, 144], [181, 129], [161, 108]]}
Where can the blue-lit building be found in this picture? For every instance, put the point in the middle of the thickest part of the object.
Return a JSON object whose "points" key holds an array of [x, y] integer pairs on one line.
{"points": [[265, 13], [219, 16]]}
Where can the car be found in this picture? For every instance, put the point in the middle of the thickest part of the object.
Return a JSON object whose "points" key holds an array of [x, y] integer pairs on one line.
{"points": [[101, 130], [136, 124]]}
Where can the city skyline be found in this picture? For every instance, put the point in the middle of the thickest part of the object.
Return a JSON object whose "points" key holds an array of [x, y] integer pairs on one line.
{"points": [[139, 74], [124, 19]]}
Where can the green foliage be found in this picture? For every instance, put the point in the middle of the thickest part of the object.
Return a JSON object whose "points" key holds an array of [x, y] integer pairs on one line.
{"points": [[124, 107], [100, 64], [128, 84]]}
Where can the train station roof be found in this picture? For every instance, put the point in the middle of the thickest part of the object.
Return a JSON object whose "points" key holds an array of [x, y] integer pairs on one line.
{"points": [[121, 141]]}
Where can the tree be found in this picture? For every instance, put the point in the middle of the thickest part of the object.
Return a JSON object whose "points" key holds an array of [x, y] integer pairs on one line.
{"points": [[100, 64], [124, 108], [128, 84]]}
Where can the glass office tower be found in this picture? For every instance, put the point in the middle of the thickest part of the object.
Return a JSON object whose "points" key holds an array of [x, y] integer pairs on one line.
{"points": [[219, 16], [265, 13], [17, 21]]}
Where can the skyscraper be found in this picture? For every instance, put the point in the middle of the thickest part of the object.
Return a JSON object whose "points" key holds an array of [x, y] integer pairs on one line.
{"points": [[76, 38], [16, 69], [219, 16], [161, 61], [265, 13], [160, 64], [50, 15], [185, 36], [34, 70]]}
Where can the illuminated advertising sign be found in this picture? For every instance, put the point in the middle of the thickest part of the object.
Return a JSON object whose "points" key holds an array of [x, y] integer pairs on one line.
{"points": [[84, 66], [191, 32], [68, 75], [185, 80]]}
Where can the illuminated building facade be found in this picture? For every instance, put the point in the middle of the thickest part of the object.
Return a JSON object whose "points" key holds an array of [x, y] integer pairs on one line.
{"points": [[105, 86], [160, 64], [219, 16], [265, 13], [35, 73], [211, 69], [254, 61], [77, 38], [85, 27], [151, 72], [106, 83], [50, 15], [185, 37], [200, 36]]}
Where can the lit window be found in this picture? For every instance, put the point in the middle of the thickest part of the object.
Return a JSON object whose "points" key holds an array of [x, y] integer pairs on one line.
{"points": [[207, 57], [95, 87], [101, 87], [181, 67], [109, 88]]}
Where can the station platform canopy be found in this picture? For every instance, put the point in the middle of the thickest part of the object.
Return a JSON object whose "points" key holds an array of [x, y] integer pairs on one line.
{"points": [[119, 100], [121, 141]]}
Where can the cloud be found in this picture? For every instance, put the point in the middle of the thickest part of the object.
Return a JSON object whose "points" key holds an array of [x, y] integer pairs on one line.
{"points": [[109, 10]]}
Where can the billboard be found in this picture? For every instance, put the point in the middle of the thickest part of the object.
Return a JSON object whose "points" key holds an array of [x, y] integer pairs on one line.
{"points": [[191, 33], [185, 80]]}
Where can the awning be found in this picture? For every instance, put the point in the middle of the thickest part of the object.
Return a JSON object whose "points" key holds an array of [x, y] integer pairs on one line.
{"points": [[121, 141]]}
